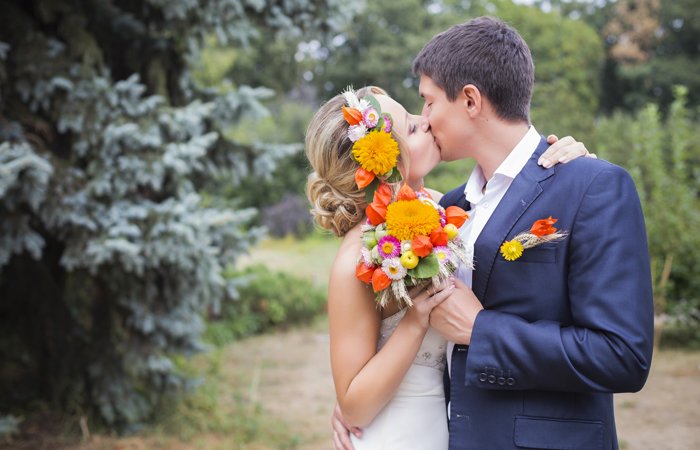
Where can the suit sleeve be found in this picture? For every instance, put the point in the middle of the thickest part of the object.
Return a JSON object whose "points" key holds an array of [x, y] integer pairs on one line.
{"points": [[608, 346]]}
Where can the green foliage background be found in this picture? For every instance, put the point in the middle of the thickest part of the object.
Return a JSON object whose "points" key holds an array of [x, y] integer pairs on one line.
{"points": [[142, 143]]}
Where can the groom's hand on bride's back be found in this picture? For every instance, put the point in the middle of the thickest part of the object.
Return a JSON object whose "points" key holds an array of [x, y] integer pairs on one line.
{"points": [[454, 318], [341, 431]]}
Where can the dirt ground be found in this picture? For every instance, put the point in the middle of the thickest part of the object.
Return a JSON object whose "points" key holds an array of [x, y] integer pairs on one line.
{"points": [[288, 374], [295, 384]]}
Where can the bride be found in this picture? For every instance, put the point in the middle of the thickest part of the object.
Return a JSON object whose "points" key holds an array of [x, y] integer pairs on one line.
{"points": [[387, 363]]}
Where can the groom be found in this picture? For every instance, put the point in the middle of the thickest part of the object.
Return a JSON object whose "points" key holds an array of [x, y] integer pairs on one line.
{"points": [[544, 340]]}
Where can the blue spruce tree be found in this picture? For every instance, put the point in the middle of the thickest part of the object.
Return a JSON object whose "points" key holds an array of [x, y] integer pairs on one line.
{"points": [[109, 256]]}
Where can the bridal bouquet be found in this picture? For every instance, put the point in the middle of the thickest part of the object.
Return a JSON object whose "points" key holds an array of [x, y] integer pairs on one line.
{"points": [[409, 241]]}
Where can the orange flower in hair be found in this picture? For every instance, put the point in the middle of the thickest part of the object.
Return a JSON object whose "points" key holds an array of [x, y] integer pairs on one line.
{"points": [[363, 178], [353, 116]]}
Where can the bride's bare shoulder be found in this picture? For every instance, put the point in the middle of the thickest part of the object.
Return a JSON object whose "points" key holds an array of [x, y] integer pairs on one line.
{"points": [[348, 253], [345, 292]]}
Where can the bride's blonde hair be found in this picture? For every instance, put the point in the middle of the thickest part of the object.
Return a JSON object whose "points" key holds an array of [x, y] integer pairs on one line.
{"points": [[337, 204]]}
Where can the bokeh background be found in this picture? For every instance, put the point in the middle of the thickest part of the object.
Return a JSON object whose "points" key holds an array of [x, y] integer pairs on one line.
{"points": [[161, 283]]}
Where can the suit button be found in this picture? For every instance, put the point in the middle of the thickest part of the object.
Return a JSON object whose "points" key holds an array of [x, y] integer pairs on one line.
{"points": [[510, 381], [482, 377], [501, 381], [492, 379]]}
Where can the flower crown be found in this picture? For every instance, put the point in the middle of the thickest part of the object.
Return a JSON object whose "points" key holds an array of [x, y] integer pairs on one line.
{"points": [[374, 147]]}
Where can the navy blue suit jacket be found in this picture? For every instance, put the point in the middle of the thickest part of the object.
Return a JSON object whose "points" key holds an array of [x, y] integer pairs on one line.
{"points": [[566, 324]]}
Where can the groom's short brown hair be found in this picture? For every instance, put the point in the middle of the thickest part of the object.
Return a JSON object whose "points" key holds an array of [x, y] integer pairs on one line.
{"points": [[490, 55]]}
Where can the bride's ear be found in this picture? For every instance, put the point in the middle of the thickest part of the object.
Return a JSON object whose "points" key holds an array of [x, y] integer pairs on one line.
{"points": [[471, 100]]}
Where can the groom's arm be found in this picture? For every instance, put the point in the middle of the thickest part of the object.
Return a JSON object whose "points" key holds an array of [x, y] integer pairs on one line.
{"points": [[608, 348]]}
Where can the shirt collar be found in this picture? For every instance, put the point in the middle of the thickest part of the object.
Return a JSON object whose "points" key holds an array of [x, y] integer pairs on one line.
{"points": [[473, 190], [510, 167], [522, 152]]}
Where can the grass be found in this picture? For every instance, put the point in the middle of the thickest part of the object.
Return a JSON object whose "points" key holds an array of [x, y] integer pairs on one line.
{"points": [[222, 413], [225, 412], [310, 257]]}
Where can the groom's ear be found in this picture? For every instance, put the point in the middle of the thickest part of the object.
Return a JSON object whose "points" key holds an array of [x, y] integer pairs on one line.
{"points": [[471, 99]]}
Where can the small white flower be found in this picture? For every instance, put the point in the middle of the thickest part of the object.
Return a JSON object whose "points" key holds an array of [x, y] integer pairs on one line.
{"points": [[394, 269], [357, 132], [351, 98], [363, 105]]}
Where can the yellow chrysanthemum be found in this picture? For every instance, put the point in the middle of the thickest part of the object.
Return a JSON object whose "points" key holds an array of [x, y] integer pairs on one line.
{"points": [[406, 219], [376, 152], [512, 250]]}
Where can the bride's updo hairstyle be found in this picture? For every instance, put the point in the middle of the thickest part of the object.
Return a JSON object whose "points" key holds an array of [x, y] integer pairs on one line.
{"points": [[337, 204]]}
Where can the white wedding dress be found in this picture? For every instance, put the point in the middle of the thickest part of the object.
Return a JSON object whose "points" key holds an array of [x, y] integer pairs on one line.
{"points": [[415, 418]]}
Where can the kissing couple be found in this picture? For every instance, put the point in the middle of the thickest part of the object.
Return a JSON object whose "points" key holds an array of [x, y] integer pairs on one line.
{"points": [[522, 343]]}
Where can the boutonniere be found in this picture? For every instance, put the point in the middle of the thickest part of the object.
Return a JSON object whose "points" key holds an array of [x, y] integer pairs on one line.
{"points": [[541, 231]]}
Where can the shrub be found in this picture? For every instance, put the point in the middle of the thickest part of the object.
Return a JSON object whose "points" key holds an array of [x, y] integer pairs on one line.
{"points": [[268, 300]]}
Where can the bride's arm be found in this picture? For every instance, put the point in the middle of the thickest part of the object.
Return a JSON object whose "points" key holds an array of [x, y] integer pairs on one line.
{"points": [[365, 380]]}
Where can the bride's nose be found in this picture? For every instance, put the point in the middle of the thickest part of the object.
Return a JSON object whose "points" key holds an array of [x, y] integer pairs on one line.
{"points": [[424, 124]]}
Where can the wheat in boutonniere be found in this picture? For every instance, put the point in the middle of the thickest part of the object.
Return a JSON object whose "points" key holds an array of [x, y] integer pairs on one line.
{"points": [[542, 231]]}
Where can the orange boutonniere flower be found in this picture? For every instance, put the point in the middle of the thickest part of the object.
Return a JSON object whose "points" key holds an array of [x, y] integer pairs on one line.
{"points": [[543, 227], [541, 231]]}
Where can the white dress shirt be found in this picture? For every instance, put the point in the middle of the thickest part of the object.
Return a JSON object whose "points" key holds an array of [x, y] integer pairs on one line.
{"points": [[484, 202]]}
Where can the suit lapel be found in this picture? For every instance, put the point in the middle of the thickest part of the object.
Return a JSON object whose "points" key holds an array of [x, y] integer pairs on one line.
{"points": [[518, 198]]}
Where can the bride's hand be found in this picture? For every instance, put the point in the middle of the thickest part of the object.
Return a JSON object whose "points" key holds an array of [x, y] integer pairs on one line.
{"points": [[562, 151], [425, 299]]}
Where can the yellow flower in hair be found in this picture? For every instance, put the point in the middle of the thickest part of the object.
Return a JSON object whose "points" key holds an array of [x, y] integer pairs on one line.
{"points": [[376, 152], [407, 219], [512, 250]]}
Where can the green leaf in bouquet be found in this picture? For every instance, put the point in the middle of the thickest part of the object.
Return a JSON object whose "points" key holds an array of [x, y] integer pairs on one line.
{"points": [[374, 102], [369, 190], [395, 176], [428, 267]]}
